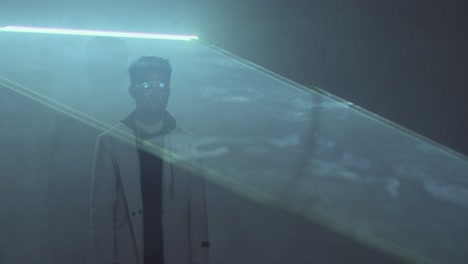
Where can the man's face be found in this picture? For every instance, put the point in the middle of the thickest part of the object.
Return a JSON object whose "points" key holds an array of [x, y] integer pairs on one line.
{"points": [[152, 94]]}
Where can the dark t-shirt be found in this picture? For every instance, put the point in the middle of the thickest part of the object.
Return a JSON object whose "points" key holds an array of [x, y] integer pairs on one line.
{"points": [[151, 188], [151, 191]]}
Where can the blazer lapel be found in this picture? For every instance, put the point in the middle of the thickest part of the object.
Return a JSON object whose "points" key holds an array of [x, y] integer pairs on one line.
{"points": [[126, 152]]}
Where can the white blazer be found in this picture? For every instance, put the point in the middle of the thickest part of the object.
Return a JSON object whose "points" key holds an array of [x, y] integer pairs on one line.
{"points": [[116, 200]]}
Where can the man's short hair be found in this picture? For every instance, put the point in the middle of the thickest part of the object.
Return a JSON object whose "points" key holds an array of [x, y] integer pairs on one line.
{"points": [[149, 64]]}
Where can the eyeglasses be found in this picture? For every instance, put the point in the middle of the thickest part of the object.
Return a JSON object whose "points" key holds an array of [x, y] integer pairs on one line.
{"points": [[147, 87]]}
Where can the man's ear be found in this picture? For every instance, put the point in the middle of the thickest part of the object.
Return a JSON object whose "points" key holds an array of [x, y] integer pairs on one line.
{"points": [[131, 91]]}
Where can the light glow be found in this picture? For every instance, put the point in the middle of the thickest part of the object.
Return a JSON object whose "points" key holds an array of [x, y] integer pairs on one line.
{"points": [[80, 32]]}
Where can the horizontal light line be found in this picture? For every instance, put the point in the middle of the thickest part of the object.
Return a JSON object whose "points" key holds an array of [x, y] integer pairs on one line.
{"points": [[79, 32]]}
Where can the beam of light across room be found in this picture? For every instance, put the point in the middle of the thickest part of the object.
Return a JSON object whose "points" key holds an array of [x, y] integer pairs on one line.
{"points": [[80, 32]]}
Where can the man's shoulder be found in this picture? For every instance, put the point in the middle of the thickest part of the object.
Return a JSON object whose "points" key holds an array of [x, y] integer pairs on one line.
{"points": [[118, 130], [182, 131], [181, 141]]}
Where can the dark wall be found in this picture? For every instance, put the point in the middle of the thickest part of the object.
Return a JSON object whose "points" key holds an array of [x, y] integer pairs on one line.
{"points": [[404, 60]]}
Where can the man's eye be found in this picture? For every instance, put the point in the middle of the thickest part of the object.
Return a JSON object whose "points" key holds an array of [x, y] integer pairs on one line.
{"points": [[146, 85], [162, 85]]}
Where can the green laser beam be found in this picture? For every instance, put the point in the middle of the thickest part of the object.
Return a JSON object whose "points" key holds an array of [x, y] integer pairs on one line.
{"points": [[253, 194]]}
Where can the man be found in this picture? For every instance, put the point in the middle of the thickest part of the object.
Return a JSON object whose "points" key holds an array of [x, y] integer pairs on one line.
{"points": [[144, 208]]}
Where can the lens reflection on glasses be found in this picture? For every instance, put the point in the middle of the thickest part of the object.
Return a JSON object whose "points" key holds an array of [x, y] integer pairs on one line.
{"points": [[147, 86]]}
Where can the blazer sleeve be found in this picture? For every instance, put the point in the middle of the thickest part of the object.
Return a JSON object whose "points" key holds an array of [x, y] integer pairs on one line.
{"points": [[198, 217], [102, 202]]}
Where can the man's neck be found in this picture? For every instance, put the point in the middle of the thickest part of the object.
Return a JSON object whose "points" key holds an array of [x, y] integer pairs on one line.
{"points": [[148, 118]]}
